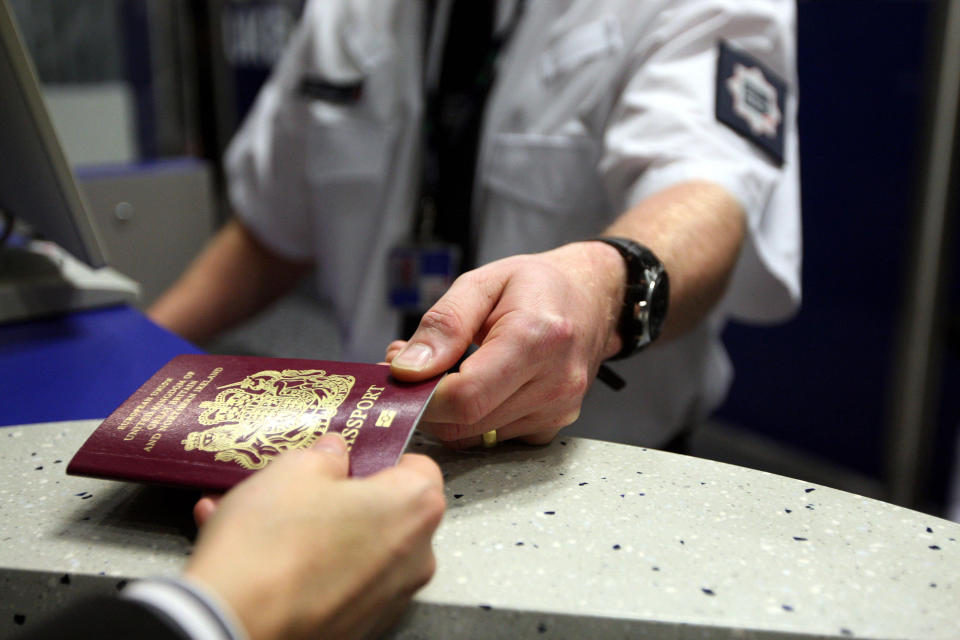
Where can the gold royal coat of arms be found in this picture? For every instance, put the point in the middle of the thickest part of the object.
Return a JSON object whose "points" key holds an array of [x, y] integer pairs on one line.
{"points": [[269, 412]]}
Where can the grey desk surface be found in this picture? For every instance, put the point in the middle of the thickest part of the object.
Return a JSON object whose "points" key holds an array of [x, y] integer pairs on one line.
{"points": [[577, 539]]}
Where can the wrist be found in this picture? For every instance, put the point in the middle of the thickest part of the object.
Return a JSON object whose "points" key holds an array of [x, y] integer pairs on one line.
{"points": [[608, 280]]}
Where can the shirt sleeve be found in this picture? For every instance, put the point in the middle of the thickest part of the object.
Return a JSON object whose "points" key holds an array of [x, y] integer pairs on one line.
{"points": [[664, 131], [195, 610], [266, 163], [105, 617]]}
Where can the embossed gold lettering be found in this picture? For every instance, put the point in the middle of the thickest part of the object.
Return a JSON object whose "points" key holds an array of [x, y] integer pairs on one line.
{"points": [[358, 416], [153, 440], [242, 427]]}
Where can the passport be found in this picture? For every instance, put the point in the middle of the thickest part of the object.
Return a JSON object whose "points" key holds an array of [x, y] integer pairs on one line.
{"points": [[209, 421]]}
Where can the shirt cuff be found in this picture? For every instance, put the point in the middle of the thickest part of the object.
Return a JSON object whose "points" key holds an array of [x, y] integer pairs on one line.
{"points": [[199, 612]]}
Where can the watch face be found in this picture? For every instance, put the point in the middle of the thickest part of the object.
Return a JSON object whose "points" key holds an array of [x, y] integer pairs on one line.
{"points": [[650, 308], [647, 296], [658, 301]]}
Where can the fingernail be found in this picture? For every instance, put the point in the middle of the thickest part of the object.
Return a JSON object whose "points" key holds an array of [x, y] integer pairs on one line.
{"points": [[332, 442], [416, 356]]}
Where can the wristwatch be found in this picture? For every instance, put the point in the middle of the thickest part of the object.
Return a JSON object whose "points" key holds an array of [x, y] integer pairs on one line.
{"points": [[646, 298]]}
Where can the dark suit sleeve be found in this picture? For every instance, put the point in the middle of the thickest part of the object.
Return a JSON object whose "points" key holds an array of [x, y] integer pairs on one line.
{"points": [[105, 618]]}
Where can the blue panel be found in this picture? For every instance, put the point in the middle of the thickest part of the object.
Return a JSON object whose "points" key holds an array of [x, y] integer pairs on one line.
{"points": [[821, 382], [79, 366]]}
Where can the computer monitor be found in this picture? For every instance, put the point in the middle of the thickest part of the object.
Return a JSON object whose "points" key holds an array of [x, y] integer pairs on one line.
{"points": [[67, 271], [36, 183]]}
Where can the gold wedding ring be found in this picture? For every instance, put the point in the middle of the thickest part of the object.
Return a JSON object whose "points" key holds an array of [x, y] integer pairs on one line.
{"points": [[490, 438]]}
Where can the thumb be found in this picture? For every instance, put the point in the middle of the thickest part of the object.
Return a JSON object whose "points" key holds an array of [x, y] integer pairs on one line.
{"points": [[328, 456], [446, 330]]}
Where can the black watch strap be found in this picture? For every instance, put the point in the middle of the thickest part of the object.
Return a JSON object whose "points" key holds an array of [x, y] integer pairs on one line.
{"points": [[646, 296]]}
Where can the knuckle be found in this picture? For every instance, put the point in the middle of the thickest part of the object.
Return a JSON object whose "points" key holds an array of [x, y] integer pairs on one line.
{"points": [[432, 505], [469, 404], [541, 437], [562, 416], [461, 444], [450, 433], [560, 329], [566, 419], [425, 502], [547, 331], [424, 498], [470, 278], [576, 382], [569, 386], [443, 318]]}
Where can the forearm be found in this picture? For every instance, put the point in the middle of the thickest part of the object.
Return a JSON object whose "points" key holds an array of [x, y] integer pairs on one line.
{"points": [[696, 229], [233, 277]]}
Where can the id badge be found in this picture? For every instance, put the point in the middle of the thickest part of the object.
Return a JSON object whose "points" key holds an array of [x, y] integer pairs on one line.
{"points": [[419, 274]]}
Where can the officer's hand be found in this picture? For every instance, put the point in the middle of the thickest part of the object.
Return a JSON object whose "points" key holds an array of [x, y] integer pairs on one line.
{"points": [[298, 550], [543, 324]]}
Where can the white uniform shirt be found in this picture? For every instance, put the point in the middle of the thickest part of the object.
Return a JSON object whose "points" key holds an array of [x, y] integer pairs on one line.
{"points": [[597, 105]]}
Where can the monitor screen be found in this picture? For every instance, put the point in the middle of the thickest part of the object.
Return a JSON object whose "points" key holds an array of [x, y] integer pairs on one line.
{"points": [[36, 183]]}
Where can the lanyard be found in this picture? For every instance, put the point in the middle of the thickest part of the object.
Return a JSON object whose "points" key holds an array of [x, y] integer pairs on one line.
{"points": [[472, 101]]}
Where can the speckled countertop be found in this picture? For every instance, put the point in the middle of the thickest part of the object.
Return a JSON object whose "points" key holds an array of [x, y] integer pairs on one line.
{"points": [[577, 539]]}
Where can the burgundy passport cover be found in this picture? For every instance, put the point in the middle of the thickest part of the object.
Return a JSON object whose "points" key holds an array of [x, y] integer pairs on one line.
{"points": [[209, 421]]}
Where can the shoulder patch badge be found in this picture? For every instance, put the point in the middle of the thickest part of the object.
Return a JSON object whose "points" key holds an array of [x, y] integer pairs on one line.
{"points": [[751, 100]]}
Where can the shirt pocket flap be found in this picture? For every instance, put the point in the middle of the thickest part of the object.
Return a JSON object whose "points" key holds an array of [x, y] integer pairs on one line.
{"points": [[550, 172], [582, 44], [345, 145]]}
